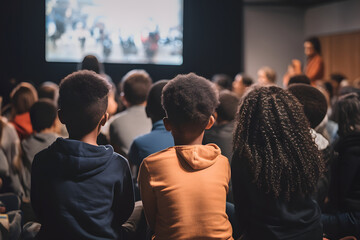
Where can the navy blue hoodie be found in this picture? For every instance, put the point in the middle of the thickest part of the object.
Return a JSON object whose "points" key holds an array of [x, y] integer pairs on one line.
{"points": [[81, 191]]}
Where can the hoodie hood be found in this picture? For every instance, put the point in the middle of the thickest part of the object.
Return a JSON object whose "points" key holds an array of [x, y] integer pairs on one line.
{"points": [[78, 159], [199, 156]]}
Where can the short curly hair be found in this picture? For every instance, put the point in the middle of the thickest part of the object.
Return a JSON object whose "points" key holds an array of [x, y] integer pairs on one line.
{"points": [[189, 99], [273, 139], [83, 99]]}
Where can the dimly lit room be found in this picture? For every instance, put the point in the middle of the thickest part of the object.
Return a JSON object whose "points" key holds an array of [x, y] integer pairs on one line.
{"points": [[180, 119]]}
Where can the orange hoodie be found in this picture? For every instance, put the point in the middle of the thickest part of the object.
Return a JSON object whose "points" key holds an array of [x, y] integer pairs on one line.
{"points": [[183, 189]]}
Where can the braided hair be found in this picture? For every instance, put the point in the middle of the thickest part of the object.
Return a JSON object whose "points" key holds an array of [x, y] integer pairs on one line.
{"points": [[273, 136]]}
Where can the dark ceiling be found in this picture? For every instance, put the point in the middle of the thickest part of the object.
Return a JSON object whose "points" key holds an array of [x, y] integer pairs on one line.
{"points": [[294, 3]]}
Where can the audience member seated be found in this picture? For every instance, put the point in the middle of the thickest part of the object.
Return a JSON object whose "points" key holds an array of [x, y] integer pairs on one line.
{"points": [[241, 83], [275, 168], [159, 138], [328, 128], [342, 217], [266, 76], [222, 81], [300, 78], [80, 190], [90, 62], [43, 115], [315, 109], [183, 188], [335, 80], [9, 158], [49, 90], [221, 132], [22, 98], [132, 122]]}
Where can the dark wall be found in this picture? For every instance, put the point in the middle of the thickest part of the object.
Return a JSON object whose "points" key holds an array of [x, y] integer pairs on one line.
{"points": [[213, 43]]}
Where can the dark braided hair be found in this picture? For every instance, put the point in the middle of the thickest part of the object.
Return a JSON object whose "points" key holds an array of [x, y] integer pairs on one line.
{"points": [[273, 136]]}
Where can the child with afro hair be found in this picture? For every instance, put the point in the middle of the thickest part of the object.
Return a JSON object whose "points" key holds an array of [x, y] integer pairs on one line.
{"points": [[190, 180]]}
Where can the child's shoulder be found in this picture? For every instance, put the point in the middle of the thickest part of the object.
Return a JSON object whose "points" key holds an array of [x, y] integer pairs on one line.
{"points": [[119, 158]]}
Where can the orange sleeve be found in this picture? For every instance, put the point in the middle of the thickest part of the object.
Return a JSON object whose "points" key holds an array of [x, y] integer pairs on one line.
{"points": [[315, 68]]}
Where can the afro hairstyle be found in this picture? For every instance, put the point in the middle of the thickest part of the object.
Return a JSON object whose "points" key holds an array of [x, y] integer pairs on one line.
{"points": [[189, 100], [83, 100], [314, 102]]}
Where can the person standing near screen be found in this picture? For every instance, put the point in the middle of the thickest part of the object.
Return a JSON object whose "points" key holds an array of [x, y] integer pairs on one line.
{"points": [[314, 67]]}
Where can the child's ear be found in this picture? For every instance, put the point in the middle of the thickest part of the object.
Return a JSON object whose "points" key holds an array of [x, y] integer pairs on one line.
{"points": [[104, 119], [210, 123], [61, 116], [167, 124]]}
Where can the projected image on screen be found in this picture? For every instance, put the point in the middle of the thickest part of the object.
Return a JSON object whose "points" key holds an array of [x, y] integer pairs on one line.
{"points": [[127, 31]]}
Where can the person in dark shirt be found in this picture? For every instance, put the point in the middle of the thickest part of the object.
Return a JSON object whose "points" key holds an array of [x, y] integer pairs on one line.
{"points": [[221, 132], [275, 167], [80, 190], [343, 213]]}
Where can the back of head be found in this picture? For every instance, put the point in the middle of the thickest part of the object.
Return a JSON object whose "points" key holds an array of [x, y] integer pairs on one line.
{"points": [[348, 89], [135, 86], [228, 105], [337, 77], [269, 73], [49, 90], [347, 113], [241, 83], [83, 100], [223, 81], [300, 78], [154, 109], [43, 114], [189, 100], [23, 97], [90, 62], [272, 137], [313, 100], [247, 80]]}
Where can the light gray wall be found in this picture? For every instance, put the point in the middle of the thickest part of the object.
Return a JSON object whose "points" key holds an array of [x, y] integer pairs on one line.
{"points": [[273, 36], [332, 18]]}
